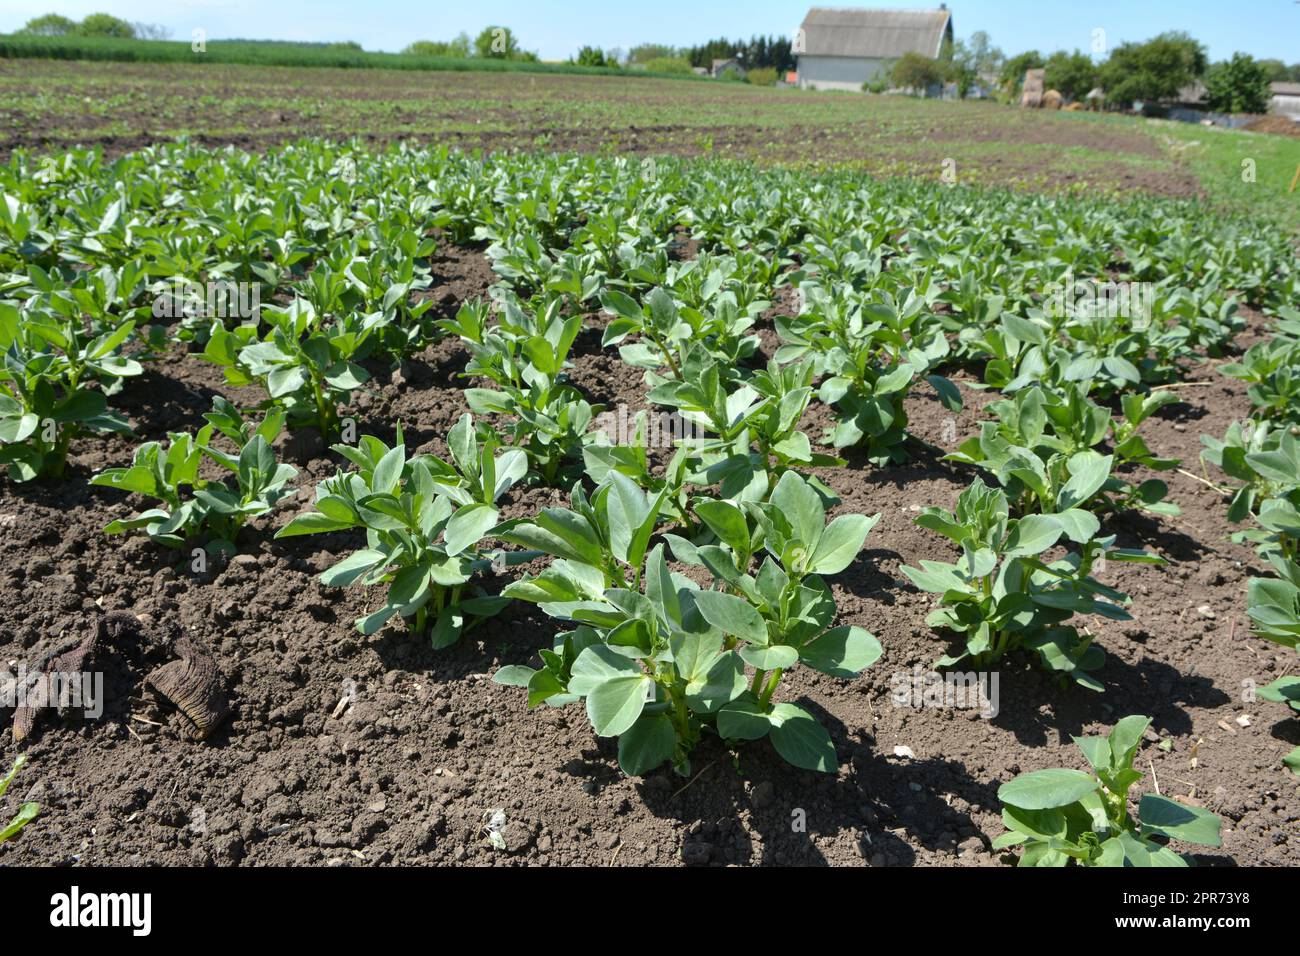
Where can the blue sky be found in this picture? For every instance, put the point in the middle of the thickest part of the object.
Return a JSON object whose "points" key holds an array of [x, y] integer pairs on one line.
{"points": [[1263, 28]]}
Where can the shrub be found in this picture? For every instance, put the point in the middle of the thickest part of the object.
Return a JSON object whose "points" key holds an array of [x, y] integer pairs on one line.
{"points": [[912, 71]]}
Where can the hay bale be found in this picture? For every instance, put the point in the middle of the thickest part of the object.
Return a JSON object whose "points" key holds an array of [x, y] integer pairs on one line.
{"points": [[1032, 95]]}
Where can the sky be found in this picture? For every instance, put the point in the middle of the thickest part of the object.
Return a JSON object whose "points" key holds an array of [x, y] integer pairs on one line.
{"points": [[1262, 28]]}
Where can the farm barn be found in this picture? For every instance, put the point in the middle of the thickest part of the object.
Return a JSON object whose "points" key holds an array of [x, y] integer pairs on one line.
{"points": [[840, 49]]}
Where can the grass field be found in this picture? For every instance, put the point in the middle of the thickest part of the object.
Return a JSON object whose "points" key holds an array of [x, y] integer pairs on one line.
{"points": [[50, 103]]}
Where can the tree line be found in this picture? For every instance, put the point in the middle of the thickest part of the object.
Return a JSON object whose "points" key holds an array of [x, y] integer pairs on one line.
{"points": [[1154, 71], [93, 25]]}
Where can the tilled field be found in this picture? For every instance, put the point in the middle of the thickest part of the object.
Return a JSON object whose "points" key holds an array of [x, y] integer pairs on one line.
{"points": [[120, 107], [345, 750], [403, 287]]}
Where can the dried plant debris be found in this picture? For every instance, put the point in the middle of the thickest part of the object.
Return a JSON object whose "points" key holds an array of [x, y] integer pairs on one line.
{"points": [[193, 684]]}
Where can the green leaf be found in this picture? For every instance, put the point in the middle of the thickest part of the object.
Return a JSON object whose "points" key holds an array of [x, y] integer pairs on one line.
{"points": [[371, 623], [840, 543], [949, 396], [842, 651], [802, 507], [770, 657], [1125, 738], [26, 814], [801, 740], [646, 744], [468, 526], [660, 589], [447, 628], [727, 522], [312, 522], [388, 472], [596, 665], [1088, 472], [1097, 750], [1165, 817], [1079, 526], [1032, 534], [743, 719], [351, 568], [514, 675], [560, 532], [732, 615], [1045, 789], [615, 704]]}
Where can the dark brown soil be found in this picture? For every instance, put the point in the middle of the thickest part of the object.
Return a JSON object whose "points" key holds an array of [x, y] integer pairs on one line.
{"points": [[344, 750]]}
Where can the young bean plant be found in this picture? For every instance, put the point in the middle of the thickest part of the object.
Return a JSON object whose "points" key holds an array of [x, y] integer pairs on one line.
{"points": [[424, 530], [26, 813], [1061, 817], [191, 506], [54, 380], [1002, 596], [664, 661], [1042, 449], [872, 353], [525, 354]]}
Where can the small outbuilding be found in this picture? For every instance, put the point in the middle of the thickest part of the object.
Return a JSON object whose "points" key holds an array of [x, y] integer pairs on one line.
{"points": [[1285, 100], [730, 65]]}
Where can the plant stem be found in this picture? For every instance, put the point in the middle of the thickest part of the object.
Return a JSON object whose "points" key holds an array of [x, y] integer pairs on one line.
{"points": [[770, 688]]}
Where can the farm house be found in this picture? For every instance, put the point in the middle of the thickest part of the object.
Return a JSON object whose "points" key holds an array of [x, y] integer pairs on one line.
{"points": [[840, 49]]}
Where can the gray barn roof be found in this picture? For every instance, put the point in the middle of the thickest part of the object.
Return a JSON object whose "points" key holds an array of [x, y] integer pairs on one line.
{"points": [[884, 34]]}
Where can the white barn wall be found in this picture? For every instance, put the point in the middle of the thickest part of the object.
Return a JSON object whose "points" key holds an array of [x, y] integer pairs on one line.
{"points": [[838, 72], [1286, 105]]}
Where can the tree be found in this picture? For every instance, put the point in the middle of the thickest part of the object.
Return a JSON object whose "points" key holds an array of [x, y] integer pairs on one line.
{"points": [[967, 61], [1239, 85], [645, 52], [758, 51], [50, 25], [457, 49], [500, 43], [912, 71], [1154, 70], [151, 31], [591, 56], [1279, 72], [105, 25], [958, 63], [985, 57], [1072, 75], [1012, 76]]}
